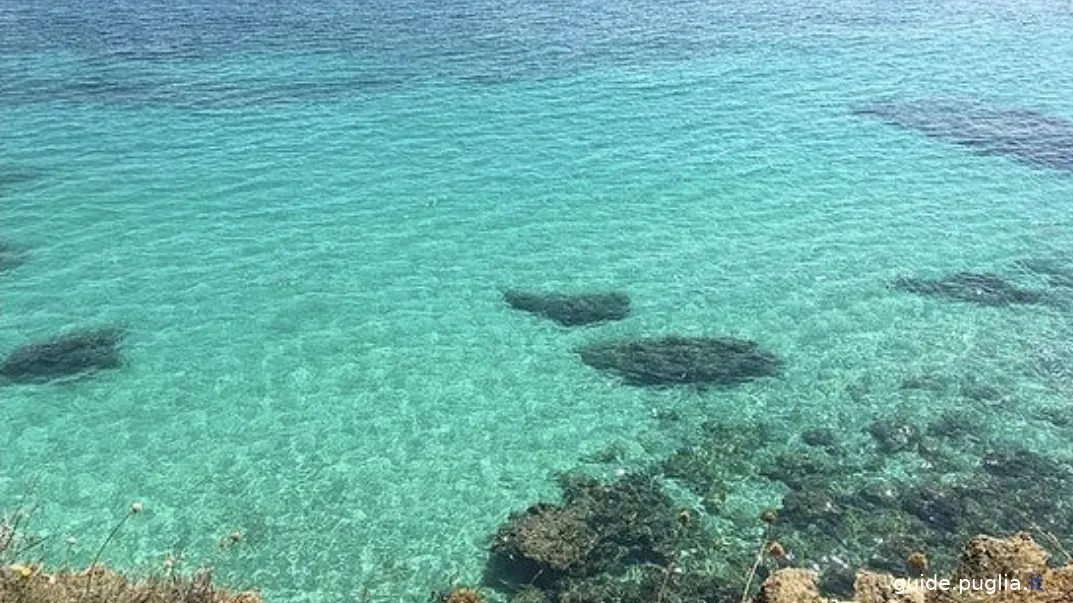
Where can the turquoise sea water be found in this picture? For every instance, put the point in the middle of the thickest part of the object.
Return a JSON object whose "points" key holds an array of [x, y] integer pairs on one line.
{"points": [[306, 216]]}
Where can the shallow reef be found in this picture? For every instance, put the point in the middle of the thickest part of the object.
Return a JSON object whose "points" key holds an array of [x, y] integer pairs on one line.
{"points": [[975, 287], [64, 356], [607, 541], [673, 360], [842, 510], [966, 387], [1023, 134], [881, 524], [643, 538], [571, 309]]}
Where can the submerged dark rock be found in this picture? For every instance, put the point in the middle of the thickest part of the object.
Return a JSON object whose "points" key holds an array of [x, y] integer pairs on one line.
{"points": [[1021, 464], [546, 541], [624, 540], [871, 518], [893, 437], [571, 309], [676, 360], [820, 437], [979, 288], [637, 539], [63, 356], [956, 425], [1023, 134], [1059, 417], [601, 528]]}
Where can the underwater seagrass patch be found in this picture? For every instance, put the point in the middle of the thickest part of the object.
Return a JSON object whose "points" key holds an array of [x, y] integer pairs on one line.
{"points": [[673, 360], [64, 356], [571, 309], [978, 288], [1026, 135]]}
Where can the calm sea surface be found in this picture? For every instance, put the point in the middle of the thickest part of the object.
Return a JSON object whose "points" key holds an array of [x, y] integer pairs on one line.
{"points": [[305, 214]]}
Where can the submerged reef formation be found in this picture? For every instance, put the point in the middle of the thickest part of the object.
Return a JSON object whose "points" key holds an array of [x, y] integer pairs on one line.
{"points": [[571, 309], [1026, 135], [978, 288], [608, 541], [673, 360], [880, 524], [64, 356], [671, 532], [995, 570], [11, 256], [842, 510], [962, 388]]}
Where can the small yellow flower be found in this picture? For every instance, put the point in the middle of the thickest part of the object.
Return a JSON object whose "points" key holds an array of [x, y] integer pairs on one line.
{"points": [[22, 571]]}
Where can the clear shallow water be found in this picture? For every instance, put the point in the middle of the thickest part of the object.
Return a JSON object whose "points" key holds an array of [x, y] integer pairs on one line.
{"points": [[306, 217]]}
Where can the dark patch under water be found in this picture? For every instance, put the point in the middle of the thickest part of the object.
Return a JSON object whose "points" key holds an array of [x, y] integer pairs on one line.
{"points": [[632, 538], [64, 356], [138, 52], [608, 541], [697, 361], [843, 511], [978, 288], [1023, 134], [571, 309]]}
